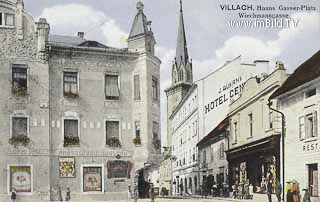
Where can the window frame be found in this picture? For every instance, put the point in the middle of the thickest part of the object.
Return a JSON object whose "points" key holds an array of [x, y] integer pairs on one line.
{"points": [[102, 179], [79, 127], [9, 182], [105, 87], [19, 66], [304, 126], [3, 22], [136, 90], [156, 80], [18, 115], [78, 82], [105, 130], [310, 93], [250, 120]]}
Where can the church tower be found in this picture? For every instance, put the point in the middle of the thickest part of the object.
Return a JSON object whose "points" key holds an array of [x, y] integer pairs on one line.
{"points": [[182, 76]]}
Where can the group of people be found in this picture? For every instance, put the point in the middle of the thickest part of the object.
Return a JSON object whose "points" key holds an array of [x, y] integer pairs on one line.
{"points": [[68, 194], [242, 190]]}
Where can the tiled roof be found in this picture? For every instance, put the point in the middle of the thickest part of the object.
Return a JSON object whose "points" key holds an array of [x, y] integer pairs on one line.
{"points": [[307, 71]]}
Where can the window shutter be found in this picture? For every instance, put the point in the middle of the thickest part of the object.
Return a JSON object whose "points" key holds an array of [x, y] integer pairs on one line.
{"points": [[136, 87], [315, 124], [302, 128]]}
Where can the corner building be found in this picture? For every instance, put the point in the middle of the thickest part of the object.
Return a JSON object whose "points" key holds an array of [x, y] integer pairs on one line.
{"points": [[76, 113]]}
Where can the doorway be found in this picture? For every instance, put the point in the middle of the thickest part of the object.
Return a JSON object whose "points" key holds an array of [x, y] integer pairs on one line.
{"points": [[313, 179]]}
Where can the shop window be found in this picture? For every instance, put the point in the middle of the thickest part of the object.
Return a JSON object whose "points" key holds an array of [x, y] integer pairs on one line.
{"points": [[71, 132], [70, 84], [155, 87], [250, 125], [311, 93], [136, 82], [112, 133], [112, 88], [20, 178], [19, 79]]}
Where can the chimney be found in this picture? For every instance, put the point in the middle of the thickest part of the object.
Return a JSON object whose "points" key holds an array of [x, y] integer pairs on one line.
{"points": [[81, 35]]}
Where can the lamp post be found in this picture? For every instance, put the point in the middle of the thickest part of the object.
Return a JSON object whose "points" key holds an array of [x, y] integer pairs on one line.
{"points": [[283, 130]]}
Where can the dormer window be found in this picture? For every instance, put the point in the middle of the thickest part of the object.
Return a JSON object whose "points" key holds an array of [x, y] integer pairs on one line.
{"points": [[7, 19], [311, 93]]}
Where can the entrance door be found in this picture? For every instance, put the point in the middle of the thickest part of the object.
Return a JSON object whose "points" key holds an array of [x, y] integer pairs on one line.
{"points": [[313, 179]]}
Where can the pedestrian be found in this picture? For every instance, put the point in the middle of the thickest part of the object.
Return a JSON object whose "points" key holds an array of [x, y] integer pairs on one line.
{"points": [[129, 193], [278, 190], [251, 191], [68, 194], [13, 195], [59, 194], [181, 188], [151, 193], [269, 189], [135, 192], [307, 196]]}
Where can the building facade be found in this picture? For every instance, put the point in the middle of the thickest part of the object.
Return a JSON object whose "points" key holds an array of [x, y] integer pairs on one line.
{"points": [[62, 133], [254, 138], [213, 166], [298, 98]]}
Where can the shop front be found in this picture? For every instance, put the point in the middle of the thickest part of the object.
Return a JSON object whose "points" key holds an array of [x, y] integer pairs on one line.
{"points": [[255, 162]]}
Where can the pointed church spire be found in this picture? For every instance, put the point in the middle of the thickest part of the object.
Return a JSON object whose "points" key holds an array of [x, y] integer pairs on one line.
{"points": [[181, 50]]}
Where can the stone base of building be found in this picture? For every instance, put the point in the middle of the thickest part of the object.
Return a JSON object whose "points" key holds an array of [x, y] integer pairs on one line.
{"points": [[36, 197]]}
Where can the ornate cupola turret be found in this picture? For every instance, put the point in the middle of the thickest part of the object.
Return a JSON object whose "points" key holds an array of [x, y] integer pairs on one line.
{"points": [[141, 37]]}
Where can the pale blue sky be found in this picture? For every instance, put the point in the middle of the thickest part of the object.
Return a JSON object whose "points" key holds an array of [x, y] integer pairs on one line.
{"points": [[210, 41]]}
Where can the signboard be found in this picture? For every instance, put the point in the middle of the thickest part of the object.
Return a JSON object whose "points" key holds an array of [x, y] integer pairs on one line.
{"points": [[92, 179], [67, 167], [218, 89], [20, 178], [119, 169]]}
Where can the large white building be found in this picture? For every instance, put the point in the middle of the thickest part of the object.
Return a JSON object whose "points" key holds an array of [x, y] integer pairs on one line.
{"points": [[195, 108], [299, 100]]}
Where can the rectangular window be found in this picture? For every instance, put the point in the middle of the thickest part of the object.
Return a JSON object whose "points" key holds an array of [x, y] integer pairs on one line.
{"points": [[9, 19], [1, 19], [19, 127], [311, 92], [112, 88], [155, 130], [19, 79], [235, 132], [212, 153], [311, 125], [250, 125], [155, 86], [70, 84], [302, 133], [222, 150], [270, 119], [137, 128], [112, 129], [71, 132], [136, 87]]}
